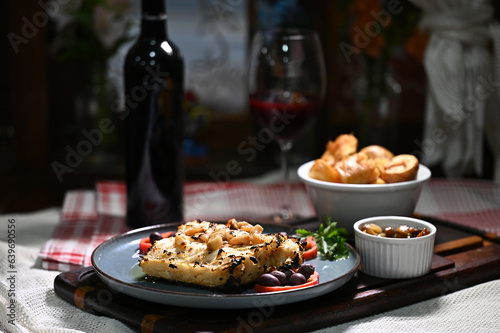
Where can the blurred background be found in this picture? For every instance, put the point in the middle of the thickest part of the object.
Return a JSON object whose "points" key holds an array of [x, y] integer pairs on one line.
{"points": [[61, 88]]}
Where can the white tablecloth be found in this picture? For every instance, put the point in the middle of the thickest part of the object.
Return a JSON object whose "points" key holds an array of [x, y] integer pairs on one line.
{"points": [[39, 309]]}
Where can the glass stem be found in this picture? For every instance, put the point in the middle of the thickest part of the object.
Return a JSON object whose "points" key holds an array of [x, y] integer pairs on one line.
{"points": [[286, 213]]}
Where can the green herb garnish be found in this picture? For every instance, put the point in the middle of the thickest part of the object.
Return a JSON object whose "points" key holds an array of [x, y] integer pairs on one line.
{"points": [[330, 240]]}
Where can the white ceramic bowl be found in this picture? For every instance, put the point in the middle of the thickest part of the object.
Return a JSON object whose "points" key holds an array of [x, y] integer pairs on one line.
{"points": [[395, 258], [348, 203]]}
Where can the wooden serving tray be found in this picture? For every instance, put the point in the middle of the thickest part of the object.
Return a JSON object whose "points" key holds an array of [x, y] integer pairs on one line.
{"points": [[461, 261]]}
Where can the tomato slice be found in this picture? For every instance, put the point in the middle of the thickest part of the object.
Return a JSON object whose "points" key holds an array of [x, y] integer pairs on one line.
{"points": [[311, 249], [145, 243], [312, 281]]}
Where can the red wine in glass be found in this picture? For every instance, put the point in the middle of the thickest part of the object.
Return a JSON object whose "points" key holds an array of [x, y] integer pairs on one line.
{"points": [[286, 87], [286, 113]]}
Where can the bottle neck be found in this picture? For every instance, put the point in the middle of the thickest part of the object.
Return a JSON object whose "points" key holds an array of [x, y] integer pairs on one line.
{"points": [[154, 19]]}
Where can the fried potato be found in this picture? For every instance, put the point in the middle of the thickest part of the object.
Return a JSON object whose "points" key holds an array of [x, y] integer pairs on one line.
{"points": [[343, 146], [357, 169], [322, 170], [400, 168], [375, 151], [374, 164]]}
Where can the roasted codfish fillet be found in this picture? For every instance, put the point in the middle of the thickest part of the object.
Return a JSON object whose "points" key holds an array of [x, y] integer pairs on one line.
{"points": [[220, 256]]}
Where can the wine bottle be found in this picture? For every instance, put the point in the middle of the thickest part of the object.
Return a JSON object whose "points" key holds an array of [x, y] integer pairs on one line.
{"points": [[154, 75]]}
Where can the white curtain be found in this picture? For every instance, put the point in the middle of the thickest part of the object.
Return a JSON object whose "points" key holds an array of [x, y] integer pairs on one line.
{"points": [[463, 85]]}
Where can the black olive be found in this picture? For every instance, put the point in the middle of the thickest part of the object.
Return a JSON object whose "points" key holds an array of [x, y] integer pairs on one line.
{"points": [[155, 236], [297, 279], [288, 272], [281, 277], [267, 279], [307, 270]]}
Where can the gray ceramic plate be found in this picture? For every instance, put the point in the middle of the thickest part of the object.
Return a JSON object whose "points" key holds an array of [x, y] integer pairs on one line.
{"points": [[116, 261]]}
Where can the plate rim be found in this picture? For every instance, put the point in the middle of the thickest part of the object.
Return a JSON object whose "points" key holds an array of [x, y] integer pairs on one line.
{"points": [[214, 295]]}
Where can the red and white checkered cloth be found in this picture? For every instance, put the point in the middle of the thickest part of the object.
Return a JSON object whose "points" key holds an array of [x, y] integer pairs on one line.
{"points": [[88, 218], [91, 217], [473, 204], [222, 201]]}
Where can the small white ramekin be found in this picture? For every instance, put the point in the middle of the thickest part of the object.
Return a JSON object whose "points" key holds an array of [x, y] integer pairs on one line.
{"points": [[395, 258]]}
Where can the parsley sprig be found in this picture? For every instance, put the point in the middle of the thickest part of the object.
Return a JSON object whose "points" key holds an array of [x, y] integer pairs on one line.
{"points": [[330, 240]]}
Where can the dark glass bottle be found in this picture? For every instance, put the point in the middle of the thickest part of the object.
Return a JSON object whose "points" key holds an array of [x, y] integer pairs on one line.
{"points": [[154, 74]]}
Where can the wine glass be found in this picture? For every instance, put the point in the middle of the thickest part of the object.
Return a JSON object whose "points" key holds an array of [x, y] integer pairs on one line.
{"points": [[286, 87]]}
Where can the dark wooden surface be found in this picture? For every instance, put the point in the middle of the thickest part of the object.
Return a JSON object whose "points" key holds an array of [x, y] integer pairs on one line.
{"points": [[459, 262]]}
